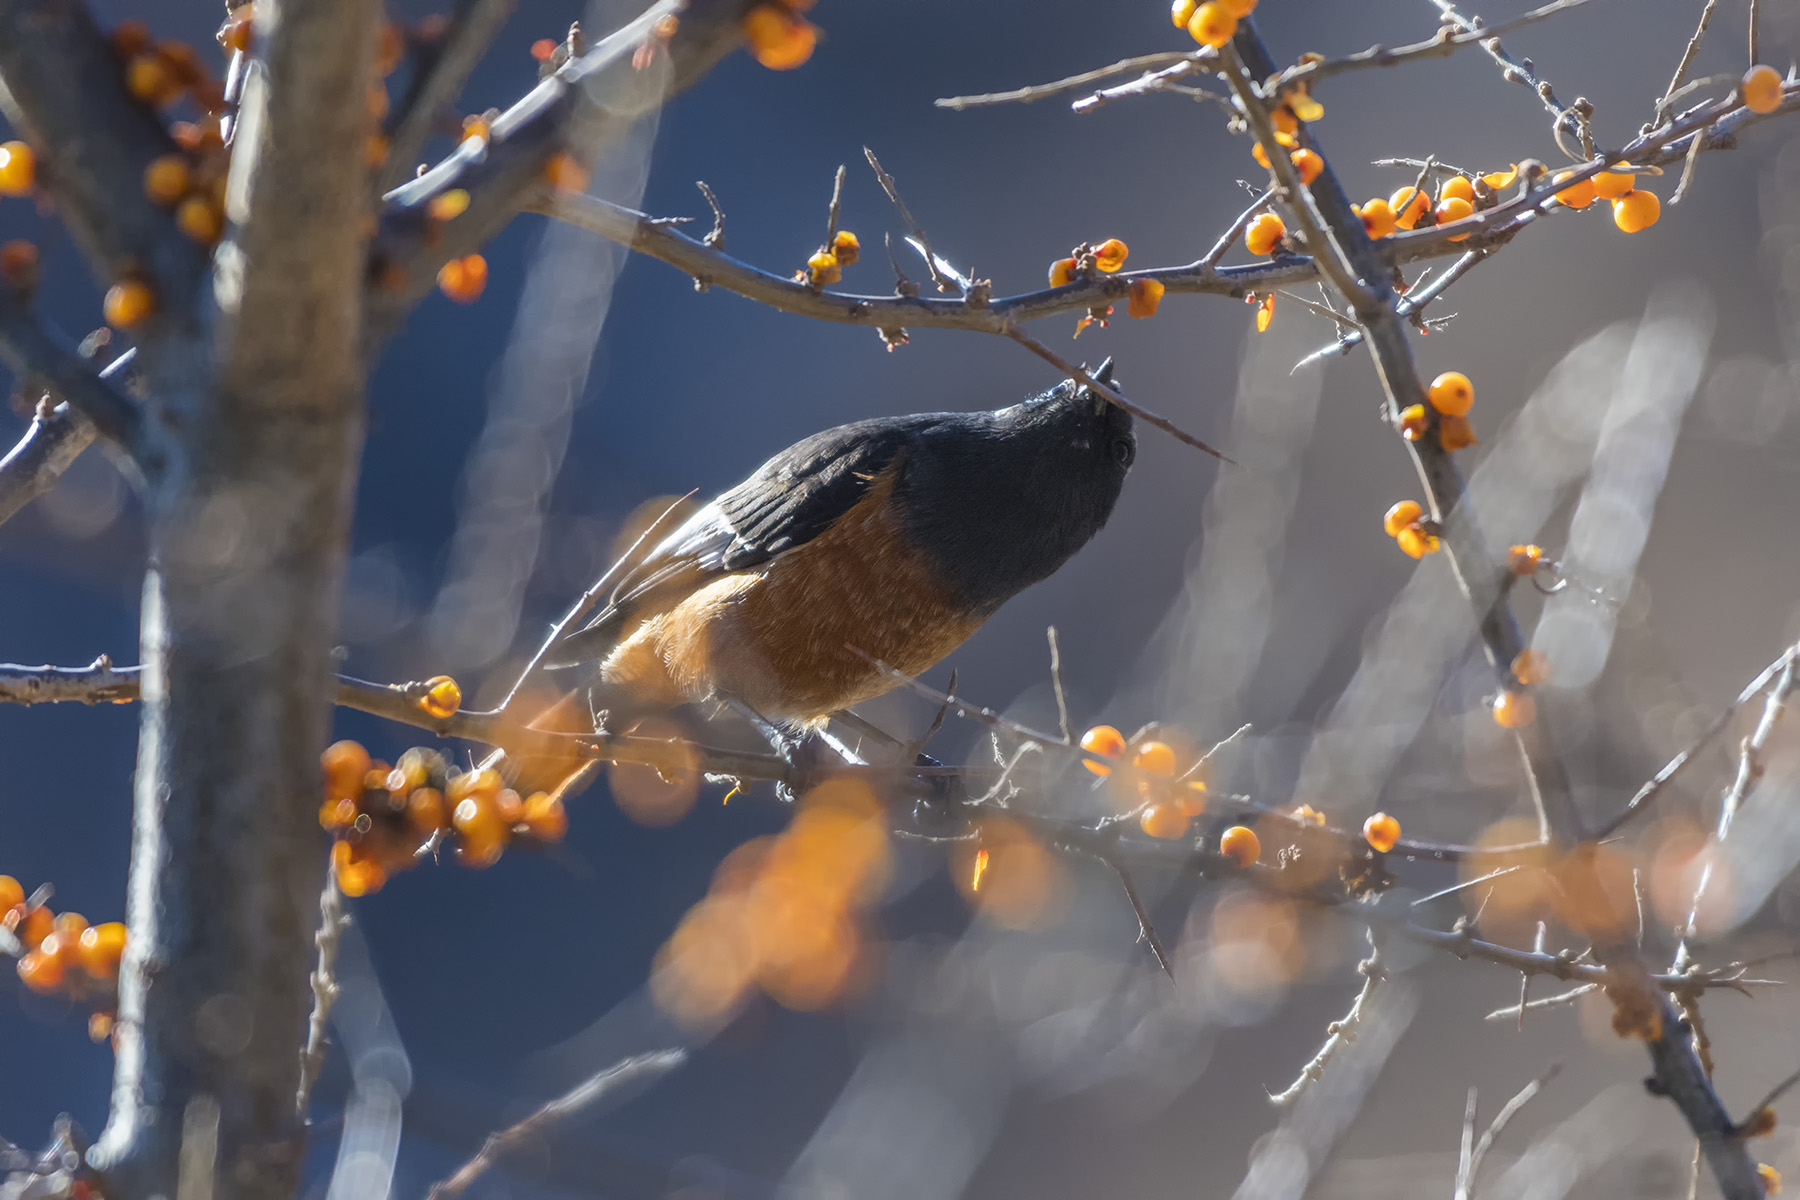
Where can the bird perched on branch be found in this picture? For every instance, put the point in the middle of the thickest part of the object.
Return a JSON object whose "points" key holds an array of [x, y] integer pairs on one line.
{"points": [[895, 537]]}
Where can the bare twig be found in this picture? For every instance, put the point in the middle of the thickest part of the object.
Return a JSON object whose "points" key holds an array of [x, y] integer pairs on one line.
{"points": [[1146, 930], [1340, 1032], [1687, 60], [1443, 45], [43, 358], [333, 920], [918, 232], [831, 216], [55, 439], [1465, 1153], [597, 1087], [437, 82], [1755, 50], [1510, 67], [1556, 1001], [1025, 95], [1056, 685], [1501, 1120]]}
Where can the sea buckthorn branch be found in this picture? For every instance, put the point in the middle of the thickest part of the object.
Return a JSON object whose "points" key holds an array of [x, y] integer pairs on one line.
{"points": [[1342, 1031], [437, 82], [43, 358], [1156, 81], [1518, 71], [57, 435], [1687, 60], [333, 921], [502, 169], [528, 1130], [97, 683], [1187, 60], [62, 87]]}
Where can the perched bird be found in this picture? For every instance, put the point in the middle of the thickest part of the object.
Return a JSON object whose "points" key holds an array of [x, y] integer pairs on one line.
{"points": [[896, 537]]}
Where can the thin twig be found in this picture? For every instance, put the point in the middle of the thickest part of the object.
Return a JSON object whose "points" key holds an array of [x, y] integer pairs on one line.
{"points": [[1443, 45], [1229, 238], [1687, 60], [893, 194], [498, 1145], [1056, 685], [436, 84], [1502, 1119], [1556, 1001], [1342, 1032], [1465, 1154], [1145, 929], [831, 214], [1025, 95], [333, 920]]}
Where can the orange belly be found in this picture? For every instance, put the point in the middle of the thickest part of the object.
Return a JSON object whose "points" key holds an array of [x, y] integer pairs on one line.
{"points": [[779, 638]]}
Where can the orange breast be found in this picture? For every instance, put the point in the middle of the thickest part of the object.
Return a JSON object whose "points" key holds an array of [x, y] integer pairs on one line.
{"points": [[778, 638]]}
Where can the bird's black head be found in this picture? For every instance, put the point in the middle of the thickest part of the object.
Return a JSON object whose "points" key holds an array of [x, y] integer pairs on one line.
{"points": [[1002, 499]]}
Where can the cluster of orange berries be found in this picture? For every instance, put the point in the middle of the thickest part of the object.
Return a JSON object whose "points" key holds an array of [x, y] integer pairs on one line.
{"points": [[383, 817], [1212, 23], [1298, 106], [1633, 209], [63, 953], [1409, 208], [1143, 297], [779, 37], [827, 264], [1450, 397], [1171, 800]]}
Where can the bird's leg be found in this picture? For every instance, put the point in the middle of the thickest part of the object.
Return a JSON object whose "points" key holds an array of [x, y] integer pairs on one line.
{"points": [[808, 755], [945, 794]]}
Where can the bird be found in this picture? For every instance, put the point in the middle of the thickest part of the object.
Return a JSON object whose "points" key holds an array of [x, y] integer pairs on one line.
{"points": [[889, 540]]}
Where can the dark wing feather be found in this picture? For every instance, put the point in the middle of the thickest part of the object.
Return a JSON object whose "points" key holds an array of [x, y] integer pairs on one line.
{"points": [[791, 499]]}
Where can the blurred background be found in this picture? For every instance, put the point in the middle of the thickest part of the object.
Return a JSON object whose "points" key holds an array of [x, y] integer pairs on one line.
{"points": [[1619, 379]]}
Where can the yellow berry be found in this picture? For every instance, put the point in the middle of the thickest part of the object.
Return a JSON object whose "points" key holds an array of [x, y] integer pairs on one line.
{"points": [[1524, 559], [442, 698], [1286, 123], [448, 205], [1182, 11], [345, 763], [18, 169], [1211, 25], [1403, 514], [1501, 179], [545, 818], [1238, 8], [1636, 210], [1416, 542], [1102, 741], [1110, 255], [1240, 842], [1155, 758], [1452, 394], [846, 246], [1457, 187], [1408, 205], [1762, 89], [1414, 421], [1577, 195], [1530, 666], [1770, 1179], [1377, 218], [1163, 821], [1308, 163], [1454, 209], [822, 269], [1062, 271], [1381, 831], [100, 948], [1610, 185], [167, 178], [128, 302], [1514, 710], [1260, 155], [201, 218], [1264, 234], [1144, 297]]}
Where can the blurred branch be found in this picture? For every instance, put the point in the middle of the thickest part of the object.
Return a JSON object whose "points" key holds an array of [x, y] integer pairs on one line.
{"points": [[436, 84], [498, 1145], [62, 89], [1471, 1169], [41, 358], [55, 438], [1341, 1032], [333, 920]]}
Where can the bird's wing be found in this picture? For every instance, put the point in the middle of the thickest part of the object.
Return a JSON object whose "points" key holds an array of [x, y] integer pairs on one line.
{"points": [[790, 500]]}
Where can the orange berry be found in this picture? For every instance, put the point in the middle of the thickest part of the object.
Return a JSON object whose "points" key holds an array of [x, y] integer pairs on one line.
{"points": [[1191, 801], [1211, 25], [846, 246], [40, 973], [1416, 542], [1610, 185], [378, 102], [375, 150], [823, 269], [462, 279], [128, 302], [481, 834], [1635, 211], [1264, 234], [425, 810], [1403, 514], [235, 37], [1530, 666], [355, 875], [1163, 821], [1155, 758], [1308, 163], [1286, 123], [1265, 313], [184, 64], [1105, 742], [1577, 195], [1457, 187], [778, 39], [100, 1027], [151, 78], [1381, 831], [1062, 271], [1110, 255], [12, 894], [201, 218], [448, 205], [166, 179], [1238, 8], [1761, 89], [1377, 218], [442, 698], [1455, 433], [1260, 155], [18, 169], [345, 763], [1770, 1179], [1414, 422], [18, 269], [1409, 205], [130, 38], [37, 924], [564, 174], [1514, 710], [544, 49], [1501, 179], [389, 49], [1454, 209], [70, 925], [1182, 11], [1240, 842], [1144, 297], [545, 817], [1452, 394], [1524, 560], [101, 948]]}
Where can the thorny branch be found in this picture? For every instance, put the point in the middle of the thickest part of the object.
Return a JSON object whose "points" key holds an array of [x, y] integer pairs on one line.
{"points": [[1343, 1031]]}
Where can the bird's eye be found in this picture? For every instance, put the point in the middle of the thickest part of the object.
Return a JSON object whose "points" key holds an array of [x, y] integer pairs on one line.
{"points": [[1123, 451]]}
